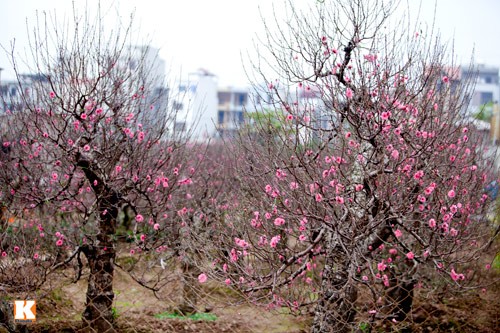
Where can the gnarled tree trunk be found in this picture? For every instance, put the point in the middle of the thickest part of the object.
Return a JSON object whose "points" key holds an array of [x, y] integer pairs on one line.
{"points": [[101, 256], [98, 312], [189, 299], [400, 297], [335, 311]]}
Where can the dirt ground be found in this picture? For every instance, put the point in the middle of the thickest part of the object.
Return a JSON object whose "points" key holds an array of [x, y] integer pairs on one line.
{"points": [[136, 308], [475, 311]]}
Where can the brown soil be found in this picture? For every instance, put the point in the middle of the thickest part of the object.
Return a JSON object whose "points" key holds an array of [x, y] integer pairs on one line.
{"points": [[136, 307], [474, 311]]}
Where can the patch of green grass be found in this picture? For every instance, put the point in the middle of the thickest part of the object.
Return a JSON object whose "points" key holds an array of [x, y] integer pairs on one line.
{"points": [[114, 311], [194, 316], [364, 327], [57, 295], [496, 262]]}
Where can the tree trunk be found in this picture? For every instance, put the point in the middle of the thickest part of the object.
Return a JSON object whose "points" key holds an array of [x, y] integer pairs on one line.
{"points": [[98, 313], [335, 311], [400, 297], [101, 254], [189, 299]]}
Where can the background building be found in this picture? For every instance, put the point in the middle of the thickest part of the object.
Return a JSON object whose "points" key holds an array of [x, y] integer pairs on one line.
{"points": [[232, 105], [195, 103], [486, 89], [206, 111]]}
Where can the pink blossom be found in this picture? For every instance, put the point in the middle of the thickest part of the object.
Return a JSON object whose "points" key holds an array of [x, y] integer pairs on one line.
{"points": [[140, 136], [227, 282], [348, 93], [35, 256], [86, 148], [268, 188], [395, 154], [385, 278], [274, 241], [143, 237], [59, 242], [54, 175], [446, 79], [280, 174], [358, 187], [418, 175], [318, 197], [393, 251], [370, 57], [432, 223], [139, 218], [16, 249], [339, 200], [241, 242], [428, 190], [52, 94], [398, 233], [455, 276], [156, 226], [279, 221], [202, 278], [234, 255], [302, 237], [185, 181], [410, 255], [364, 278], [294, 186], [118, 169], [381, 266], [451, 193]]}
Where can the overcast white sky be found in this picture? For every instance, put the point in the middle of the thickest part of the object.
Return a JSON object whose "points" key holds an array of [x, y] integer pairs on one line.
{"points": [[211, 34]]}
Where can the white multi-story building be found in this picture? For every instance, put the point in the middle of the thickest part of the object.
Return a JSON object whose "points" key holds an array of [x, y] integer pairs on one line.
{"points": [[195, 102], [487, 87], [232, 105], [206, 111], [147, 60]]}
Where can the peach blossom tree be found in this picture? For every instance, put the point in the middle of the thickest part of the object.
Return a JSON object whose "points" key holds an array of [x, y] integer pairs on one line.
{"points": [[91, 133], [373, 181]]}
